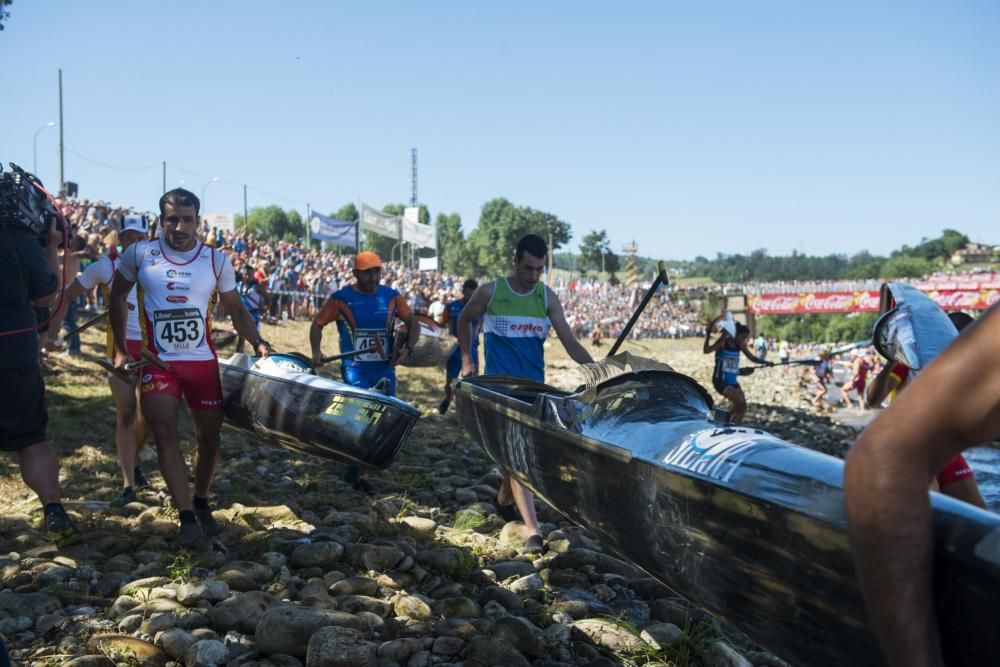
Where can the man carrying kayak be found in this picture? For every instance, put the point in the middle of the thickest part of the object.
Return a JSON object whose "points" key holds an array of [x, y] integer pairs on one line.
{"points": [[517, 311], [449, 317], [954, 404], [366, 314]]}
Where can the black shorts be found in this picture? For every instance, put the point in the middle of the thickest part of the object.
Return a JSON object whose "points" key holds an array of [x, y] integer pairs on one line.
{"points": [[720, 386], [23, 414]]}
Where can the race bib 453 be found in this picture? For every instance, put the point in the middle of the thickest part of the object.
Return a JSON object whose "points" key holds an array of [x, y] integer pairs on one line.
{"points": [[178, 329]]}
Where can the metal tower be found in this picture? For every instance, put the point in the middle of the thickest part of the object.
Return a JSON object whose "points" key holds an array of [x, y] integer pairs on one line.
{"points": [[413, 177]]}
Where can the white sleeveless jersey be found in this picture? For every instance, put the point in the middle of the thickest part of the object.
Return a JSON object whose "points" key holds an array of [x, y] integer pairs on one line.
{"points": [[175, 301], [101, 273]]}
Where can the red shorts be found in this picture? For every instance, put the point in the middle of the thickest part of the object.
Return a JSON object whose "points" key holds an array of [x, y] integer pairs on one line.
{"points": [[954, 471], [134, 348], [198, 381]]}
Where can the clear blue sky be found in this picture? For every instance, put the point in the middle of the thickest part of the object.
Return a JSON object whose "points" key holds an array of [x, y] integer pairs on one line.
{"points": [[691, 127]]}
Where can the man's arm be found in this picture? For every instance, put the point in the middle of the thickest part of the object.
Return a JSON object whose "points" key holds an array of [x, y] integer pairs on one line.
{"points": [[264, 296], [882, 385], [242, 321], [118, 313], [707, 347], [404, 313], [326, 314], [753, 357], [557, 317], [473, 309], [954, 404]]}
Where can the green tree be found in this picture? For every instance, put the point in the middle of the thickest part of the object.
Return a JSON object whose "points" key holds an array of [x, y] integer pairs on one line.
{"points": [[269, 222], [455, 256], [348, 212], [296, 230], [903, 266], [4, 14], [501, 224], [596, 254]]}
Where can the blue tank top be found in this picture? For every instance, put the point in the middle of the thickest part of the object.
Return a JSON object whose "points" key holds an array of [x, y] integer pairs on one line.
{"points": [[454, 310], [364, 317], [727, 365], [516, 326]]}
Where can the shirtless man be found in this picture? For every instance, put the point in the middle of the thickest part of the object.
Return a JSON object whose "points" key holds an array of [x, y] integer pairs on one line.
{"points": [[954, 404]]}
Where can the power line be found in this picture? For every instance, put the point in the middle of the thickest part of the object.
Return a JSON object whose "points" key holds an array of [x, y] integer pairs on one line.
{"points": [[110, 166]]}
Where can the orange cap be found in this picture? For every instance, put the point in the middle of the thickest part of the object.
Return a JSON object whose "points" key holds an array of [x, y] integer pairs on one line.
{"points": [[367, 260]]}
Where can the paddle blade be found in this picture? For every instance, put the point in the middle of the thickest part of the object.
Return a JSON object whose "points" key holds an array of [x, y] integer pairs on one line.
{"points": [[603, 370]]}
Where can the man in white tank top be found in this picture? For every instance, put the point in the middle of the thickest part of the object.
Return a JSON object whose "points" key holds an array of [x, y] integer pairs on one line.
{"points": [[130, 428], [177, 278]]}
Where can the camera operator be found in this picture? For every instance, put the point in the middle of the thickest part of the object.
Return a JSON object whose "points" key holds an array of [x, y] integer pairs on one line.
{"points": [[29, 275]]}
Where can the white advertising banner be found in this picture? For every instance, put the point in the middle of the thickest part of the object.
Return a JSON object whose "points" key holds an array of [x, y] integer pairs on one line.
{"points": [[411, 213], [428, 263], [379, 222], [222, 221], [422, 236]]}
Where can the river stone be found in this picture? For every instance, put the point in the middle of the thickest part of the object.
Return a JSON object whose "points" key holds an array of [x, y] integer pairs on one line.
{"points": [[399, 650], [575, 559], [353, 604], [287, 628], [604, 633], [130, 623], [257, 572], [420, 659], [720, 654], [27, 604], [529, 585], [355, 586], [447, 560], [413, 607], [90, 661], [238, 581], [509, 600], [335, 646], [316, 554], [211, 590], [206, 653], [158, 623], [241, 612], [447, 646], [490, 651], [460, 607], [649, 588], [175, 642], [144, 652], [274, 560], [520, 634], [375, 557], [662, 635], [420, 524]]}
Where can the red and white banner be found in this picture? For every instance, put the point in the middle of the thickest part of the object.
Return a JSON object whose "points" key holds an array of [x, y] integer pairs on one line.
{"points": [[864, 301]]}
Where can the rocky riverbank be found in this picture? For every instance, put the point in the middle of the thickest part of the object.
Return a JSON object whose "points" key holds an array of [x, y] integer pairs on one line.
{"points": [[309, 571]]}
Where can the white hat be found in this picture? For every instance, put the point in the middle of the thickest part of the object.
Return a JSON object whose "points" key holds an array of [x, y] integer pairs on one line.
{"points": [[135, 222]]}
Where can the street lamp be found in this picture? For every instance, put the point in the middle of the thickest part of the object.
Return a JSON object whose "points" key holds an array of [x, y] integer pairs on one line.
{"points": [[214, 180], [34, 145]]}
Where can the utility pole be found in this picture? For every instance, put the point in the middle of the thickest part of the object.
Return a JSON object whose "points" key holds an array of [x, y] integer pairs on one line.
{"points": [[164, 175], [413, 177], [62, 173], [308, 225], [246, 219], [551, 253]]}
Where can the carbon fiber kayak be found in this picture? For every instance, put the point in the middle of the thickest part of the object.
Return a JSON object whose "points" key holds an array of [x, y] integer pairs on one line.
{"points": [[283, 402], [746, 525], [433, 348]]}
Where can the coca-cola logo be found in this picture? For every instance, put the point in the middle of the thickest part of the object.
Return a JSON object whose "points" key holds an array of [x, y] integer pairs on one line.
{"points": [[991, 297], [868, 301], [828, 302], [776, 303], [956, 299]]}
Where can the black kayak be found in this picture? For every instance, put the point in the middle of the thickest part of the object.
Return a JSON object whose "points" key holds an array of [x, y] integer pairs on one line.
{"points": [[282, 401], [746, 525]]}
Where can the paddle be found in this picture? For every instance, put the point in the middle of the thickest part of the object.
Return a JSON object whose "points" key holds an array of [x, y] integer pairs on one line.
{"points": [[86, 325], [379, 350], [597, 372], [125, 372]]}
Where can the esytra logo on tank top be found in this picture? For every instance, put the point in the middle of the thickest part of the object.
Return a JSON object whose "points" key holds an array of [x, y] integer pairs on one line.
{"points": [[175, 302]]}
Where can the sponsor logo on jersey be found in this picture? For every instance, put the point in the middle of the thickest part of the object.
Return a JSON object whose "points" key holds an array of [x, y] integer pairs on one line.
{"points": [[177, 298], [147, 378], [154, 252], [173, 273]]}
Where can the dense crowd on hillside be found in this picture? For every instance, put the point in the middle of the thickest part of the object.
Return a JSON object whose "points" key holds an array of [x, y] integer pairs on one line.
{"points": [[300, 279]]}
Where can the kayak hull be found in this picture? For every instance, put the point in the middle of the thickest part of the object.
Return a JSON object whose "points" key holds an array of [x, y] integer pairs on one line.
{"points": [[315, 415], [741, 523]]}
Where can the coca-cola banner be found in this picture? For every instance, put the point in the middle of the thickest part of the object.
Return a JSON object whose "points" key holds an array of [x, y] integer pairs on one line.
{"points": [[862, 301]]}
